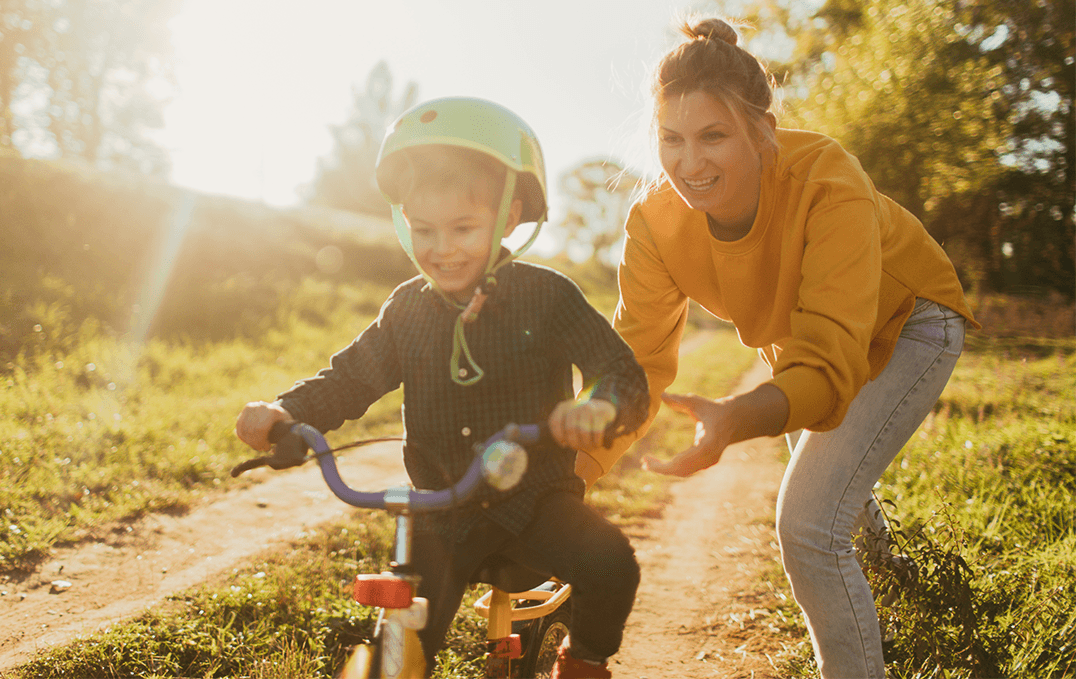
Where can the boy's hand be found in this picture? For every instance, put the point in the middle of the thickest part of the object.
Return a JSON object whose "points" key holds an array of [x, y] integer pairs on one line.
{"points": [[254, 422], [581, 425]]}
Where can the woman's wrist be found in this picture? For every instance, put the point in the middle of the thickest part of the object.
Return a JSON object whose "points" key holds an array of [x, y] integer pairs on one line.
{"points": [[763, 411]]}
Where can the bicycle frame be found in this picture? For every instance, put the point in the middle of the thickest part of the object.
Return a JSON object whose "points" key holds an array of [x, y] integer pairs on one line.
{"points": [[397, 652]]}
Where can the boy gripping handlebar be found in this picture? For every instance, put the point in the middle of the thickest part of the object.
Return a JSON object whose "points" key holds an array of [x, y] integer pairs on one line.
{"points": [[479, 340]]}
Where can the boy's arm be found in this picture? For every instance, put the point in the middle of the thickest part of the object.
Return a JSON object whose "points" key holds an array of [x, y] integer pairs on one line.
{"points": [[610, 374], [357, 376]]}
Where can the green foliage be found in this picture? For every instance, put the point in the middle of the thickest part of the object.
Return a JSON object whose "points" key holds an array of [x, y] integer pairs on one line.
{"points": [[144, 260], [962, 112], [598, 194]]}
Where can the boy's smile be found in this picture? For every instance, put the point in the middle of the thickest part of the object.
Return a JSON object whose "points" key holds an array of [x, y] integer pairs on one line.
{"points": [[452, 234]]}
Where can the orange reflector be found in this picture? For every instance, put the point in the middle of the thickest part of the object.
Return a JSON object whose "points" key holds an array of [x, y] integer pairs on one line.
{"points": [[384, 590]]}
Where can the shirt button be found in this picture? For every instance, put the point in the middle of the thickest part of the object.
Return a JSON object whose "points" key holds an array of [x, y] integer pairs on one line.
{"points": [[466, 431], [485, 504], [463, 372]]}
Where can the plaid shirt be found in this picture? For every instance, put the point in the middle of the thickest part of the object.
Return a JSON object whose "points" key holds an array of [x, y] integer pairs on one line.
{"points": [[534, 326]]}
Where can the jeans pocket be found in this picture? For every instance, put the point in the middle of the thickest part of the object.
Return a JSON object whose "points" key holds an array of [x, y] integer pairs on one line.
{"points": [[926, 324]]}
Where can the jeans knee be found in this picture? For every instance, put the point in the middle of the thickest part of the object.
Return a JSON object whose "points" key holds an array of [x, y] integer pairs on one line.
{"points": [[611, 568], [805, 544]]}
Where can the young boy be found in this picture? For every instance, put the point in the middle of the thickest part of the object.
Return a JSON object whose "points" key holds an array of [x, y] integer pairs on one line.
{"points": [[478, 341]]}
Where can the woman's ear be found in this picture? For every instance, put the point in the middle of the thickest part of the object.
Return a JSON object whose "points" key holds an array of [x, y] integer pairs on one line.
{"points": [[515, 212], [771, 120]]}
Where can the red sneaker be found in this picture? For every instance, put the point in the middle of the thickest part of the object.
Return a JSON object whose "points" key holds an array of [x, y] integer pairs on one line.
{"points": [[568, 667]]}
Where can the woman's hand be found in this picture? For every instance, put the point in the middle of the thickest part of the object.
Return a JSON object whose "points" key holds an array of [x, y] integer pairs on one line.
{"points": [[581, 424], [712, 435], [718, 424], [254, 422]]}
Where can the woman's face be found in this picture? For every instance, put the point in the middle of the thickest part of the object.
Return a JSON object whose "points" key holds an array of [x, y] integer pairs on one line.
{"points": [[713, 163]]}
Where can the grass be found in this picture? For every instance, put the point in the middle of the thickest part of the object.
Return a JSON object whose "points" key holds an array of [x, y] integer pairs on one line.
{"points": [[981, 499], [95, 431], [288, 614]]}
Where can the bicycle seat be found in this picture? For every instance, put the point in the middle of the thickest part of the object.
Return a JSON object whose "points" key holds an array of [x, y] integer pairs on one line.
{"points": [[508, 575]]}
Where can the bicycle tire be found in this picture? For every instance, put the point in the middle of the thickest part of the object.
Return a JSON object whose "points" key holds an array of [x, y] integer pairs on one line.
{"points": [[541, 656]]}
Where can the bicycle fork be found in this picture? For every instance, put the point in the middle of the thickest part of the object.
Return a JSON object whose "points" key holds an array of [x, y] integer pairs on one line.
{"points": [[397, 651]]}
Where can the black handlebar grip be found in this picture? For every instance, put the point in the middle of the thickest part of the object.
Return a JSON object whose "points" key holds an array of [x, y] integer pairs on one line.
{"points": [[279, 430], [289, 451]]}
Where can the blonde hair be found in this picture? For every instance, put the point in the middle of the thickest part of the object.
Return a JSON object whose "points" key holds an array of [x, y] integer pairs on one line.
{"points": [[711, 61]]}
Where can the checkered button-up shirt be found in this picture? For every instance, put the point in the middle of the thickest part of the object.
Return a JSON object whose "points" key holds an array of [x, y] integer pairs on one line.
{"points": [[535, 325]]}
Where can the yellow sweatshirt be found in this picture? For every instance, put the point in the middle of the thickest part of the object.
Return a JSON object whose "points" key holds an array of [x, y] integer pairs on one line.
{"points": [[821, 285]]}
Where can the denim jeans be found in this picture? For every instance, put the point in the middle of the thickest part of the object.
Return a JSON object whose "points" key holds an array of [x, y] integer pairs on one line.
{"points": [[828, 483]]}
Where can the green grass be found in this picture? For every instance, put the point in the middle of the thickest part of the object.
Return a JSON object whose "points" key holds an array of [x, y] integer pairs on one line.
{"points": [[982, 498], [95, 431], [289, 614]]}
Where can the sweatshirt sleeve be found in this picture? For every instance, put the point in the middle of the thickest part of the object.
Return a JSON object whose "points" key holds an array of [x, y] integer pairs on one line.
{"points": [[650, 315], [824, 364]]}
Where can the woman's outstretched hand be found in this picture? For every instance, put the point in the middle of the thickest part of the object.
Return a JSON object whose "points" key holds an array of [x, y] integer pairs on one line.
{"points": [[712, 436], [762, 411]]}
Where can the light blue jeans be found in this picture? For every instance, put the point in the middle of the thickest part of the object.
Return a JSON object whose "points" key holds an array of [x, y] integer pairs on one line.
{"points": [[828, 483]]}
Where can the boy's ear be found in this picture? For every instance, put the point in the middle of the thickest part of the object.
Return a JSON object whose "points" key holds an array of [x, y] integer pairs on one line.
{"points": [[515, 212]]}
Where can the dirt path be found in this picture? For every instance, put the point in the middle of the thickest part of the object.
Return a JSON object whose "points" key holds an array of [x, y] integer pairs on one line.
{"points": [[699, 611], [120, 576], [697, 615]]}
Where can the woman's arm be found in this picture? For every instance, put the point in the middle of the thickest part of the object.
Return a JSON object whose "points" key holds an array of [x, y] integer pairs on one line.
{"points": [[651, 315]]}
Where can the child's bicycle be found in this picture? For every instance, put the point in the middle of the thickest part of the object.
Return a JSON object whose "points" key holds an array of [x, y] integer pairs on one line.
{"points": [[522, 639]]}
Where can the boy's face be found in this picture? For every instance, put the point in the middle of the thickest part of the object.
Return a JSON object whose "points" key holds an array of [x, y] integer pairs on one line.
{"points": [[451, 234]]}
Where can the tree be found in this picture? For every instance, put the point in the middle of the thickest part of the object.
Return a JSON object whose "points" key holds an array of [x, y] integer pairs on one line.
{"points": [[346, 180], [598, 194], [89, 78], [961, 111]]}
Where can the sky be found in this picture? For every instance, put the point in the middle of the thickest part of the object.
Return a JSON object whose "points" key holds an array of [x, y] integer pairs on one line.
{"points": [[261, 81]]}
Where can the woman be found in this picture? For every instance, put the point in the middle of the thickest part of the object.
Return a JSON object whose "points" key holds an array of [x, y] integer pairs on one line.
{"points": [[856, 309]]}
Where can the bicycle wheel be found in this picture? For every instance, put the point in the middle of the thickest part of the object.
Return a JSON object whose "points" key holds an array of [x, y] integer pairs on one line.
{"points": [[541, 654]]}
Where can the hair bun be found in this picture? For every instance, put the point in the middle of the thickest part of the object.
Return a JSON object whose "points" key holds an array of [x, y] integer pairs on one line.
{"points": [[712, 29]]}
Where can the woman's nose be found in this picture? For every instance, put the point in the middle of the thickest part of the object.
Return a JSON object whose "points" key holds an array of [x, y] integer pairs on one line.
{"points": [[691, 159]]}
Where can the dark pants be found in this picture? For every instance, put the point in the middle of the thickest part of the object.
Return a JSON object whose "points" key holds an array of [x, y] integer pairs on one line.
{"points": [[567, 539]]}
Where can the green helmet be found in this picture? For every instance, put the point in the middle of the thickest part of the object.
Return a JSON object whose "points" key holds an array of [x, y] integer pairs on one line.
{"points": [[482, 126], [471, 123]]}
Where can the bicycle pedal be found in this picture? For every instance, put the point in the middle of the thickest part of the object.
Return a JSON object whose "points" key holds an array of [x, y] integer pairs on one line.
{"points": [[383, 590], [509, 647]]}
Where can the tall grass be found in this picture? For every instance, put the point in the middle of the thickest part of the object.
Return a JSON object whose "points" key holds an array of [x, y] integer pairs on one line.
{"points": [[95, 430], [981, 500], [984, 497]]}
